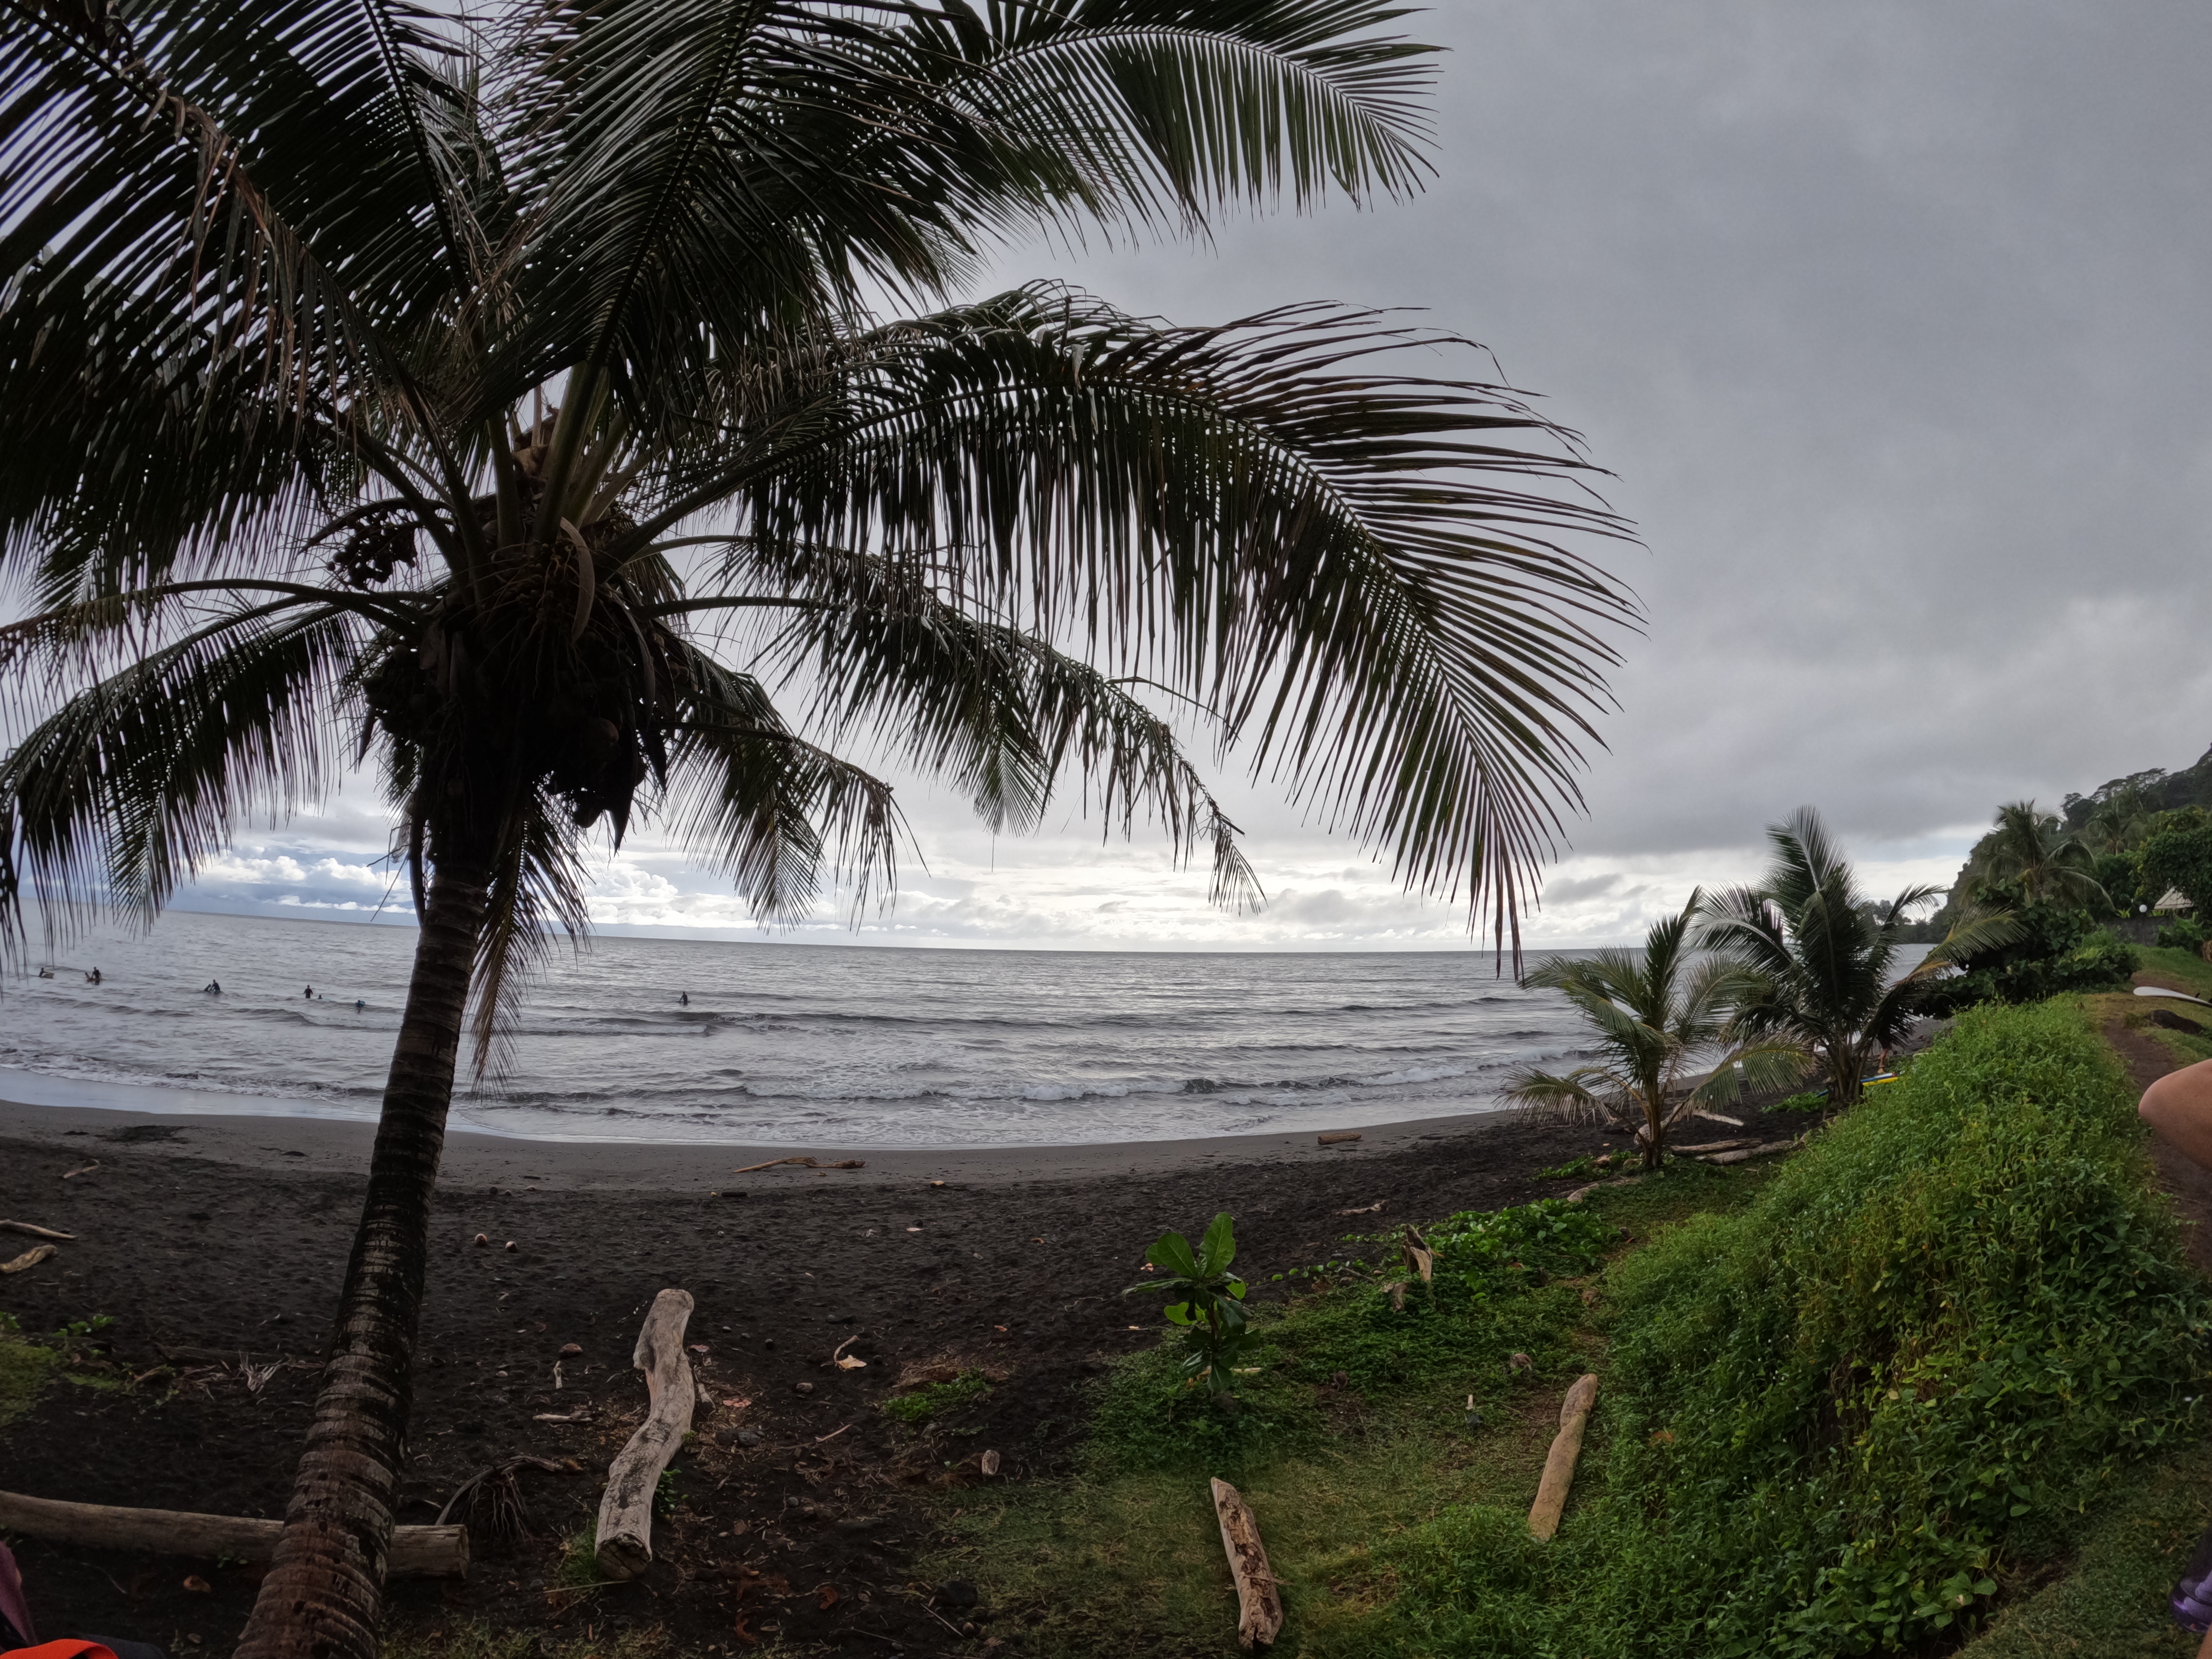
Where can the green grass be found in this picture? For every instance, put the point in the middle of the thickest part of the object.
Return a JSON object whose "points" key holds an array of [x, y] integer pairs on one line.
{"points": [[1944, 1360], [2183, 967], [24, 1368], [1127, 1557], [2111, 1603], [928, 1400]]}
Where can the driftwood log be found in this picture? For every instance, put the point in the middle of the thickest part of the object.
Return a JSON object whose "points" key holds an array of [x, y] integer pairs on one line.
{"points": [[1259, 1602], [1747, 1152], [416, 1552], [625, 1545], [1559, 1462]]}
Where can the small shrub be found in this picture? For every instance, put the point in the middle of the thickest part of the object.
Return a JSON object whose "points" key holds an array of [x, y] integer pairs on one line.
{"points": [[2182, 933], [1210, 1304]]}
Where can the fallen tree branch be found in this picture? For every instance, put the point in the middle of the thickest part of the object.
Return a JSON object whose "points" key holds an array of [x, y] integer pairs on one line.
{"points": [[1559, 1461], [29, 1259], [416, 1552], [1259, 1602], [804, 1163], [35, 1232], [1748, 1152], [625, 1533]]}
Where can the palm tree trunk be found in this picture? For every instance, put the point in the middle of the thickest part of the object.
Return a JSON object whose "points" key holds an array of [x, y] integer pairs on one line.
{"points": [[325, 1587], [1846, 1065]]}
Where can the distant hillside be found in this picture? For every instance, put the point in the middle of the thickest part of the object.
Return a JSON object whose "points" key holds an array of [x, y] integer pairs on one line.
{"points": [[2148, 793], [2162, 791]]}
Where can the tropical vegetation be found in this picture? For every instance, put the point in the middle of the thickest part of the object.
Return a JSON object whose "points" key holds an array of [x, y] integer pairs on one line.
{"points": [[1853, 1402], [1822, 960], [1653, 1015], [2030, 850], [511, 401]]}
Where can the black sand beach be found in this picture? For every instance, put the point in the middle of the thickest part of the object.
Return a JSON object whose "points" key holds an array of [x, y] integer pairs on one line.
{"points": [[211, 1241]]}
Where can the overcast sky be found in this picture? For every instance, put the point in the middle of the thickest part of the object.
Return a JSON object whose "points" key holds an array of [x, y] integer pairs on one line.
{"points": [[1890, 320]]}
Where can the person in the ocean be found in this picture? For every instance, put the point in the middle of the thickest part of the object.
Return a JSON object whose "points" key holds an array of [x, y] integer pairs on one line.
{"points": [[309, 993], [684, 997], [96, 978], [214, 988], [359, 1006]]}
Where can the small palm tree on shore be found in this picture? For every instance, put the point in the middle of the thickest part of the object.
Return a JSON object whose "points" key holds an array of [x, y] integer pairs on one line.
{"points": [[1821, 962], [502, 400], [1655, 1014]]}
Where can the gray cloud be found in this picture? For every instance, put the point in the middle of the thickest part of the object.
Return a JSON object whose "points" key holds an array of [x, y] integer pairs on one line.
{"points": [[1891, 319]]}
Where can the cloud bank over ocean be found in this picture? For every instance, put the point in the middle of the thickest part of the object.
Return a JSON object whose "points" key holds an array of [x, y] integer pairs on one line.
{"points": [[1888, 320]]}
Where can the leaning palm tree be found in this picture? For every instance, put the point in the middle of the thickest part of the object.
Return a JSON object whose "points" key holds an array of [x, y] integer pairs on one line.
{"points": [[1824, 962], [513, 403], [1654, 1014], [2032, 850]]}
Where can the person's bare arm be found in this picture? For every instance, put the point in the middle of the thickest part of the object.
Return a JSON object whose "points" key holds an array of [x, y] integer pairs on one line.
{"points": [[2180, 1107]]}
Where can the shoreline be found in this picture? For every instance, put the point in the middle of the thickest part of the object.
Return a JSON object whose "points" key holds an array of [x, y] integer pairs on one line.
{"points": [[206, 1241], [340, 1145]]}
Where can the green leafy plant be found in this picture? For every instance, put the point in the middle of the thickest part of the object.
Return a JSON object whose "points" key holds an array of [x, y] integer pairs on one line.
{"points": [[1209, 1304], [2178, 855], [1885, 1389], [1572, 1169], [2182, 933], [1812, 1100]]}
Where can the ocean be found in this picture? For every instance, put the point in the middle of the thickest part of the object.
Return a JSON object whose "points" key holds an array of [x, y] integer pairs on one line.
{"points": [[791, 1044]]}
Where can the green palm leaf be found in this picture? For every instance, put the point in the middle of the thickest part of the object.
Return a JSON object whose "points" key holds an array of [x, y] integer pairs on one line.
{"points": [[1345, 566]]}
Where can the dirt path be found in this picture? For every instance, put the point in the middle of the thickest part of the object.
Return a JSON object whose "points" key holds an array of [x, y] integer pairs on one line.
{"points": [[2187, 1184]]}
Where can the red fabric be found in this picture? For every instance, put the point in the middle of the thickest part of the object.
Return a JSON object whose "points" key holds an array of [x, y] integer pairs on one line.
{"points": [[63, 1649]]}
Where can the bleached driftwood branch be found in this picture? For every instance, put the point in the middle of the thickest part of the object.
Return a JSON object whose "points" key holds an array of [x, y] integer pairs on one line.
{"points": [[625, 1536]]}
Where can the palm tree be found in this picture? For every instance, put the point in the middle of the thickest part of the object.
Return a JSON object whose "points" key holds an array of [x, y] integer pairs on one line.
{"points": [[378, 383], [1824, 962], [2032, 850], [1654, 1014], [2118, 822]]}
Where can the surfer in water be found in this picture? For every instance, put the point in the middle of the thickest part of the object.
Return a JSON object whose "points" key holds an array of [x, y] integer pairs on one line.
{"points": [[684, 997], [213, 989], [309, 993], [360, 1006]]}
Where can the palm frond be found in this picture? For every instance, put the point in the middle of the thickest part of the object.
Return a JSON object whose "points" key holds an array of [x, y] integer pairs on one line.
{"points": [[748, 795], [994, 710], [1163, 111], [1581, 1096], [537, 893], [1778, 1062], [132, 783], [1344, 565], [173, 339]]}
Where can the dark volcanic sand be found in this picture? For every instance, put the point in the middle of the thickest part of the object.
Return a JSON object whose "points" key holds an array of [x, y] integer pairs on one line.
{"points": [[213, 1236]]}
